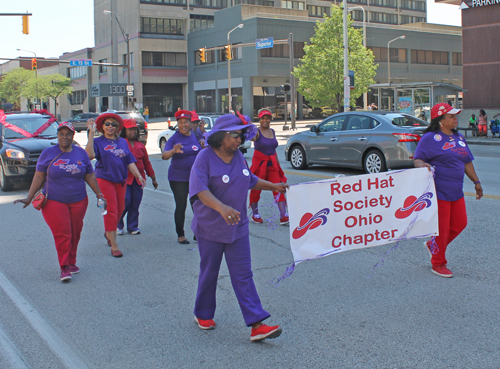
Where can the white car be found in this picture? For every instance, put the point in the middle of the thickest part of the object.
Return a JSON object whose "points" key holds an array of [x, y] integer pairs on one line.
{"points": [[209, 121]]}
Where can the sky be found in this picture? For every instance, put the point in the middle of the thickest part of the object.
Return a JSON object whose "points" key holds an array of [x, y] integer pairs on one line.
{"points": [[68, 25]]}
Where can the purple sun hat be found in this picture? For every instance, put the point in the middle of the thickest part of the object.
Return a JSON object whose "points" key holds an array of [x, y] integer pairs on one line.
{"points": [[230, 122]]}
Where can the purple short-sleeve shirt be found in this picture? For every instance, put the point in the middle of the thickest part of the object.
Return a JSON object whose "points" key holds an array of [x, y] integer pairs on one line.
{"points": [[448, 154], [65, 179], [227, 182], [113, 158], [181, 164]]}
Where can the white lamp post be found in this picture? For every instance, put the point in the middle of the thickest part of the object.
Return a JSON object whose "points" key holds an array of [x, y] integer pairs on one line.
{"points": [[389, 57], [230, 100]]}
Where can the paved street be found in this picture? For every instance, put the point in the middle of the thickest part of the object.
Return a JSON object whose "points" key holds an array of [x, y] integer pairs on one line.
{"points": [[137, 311]]}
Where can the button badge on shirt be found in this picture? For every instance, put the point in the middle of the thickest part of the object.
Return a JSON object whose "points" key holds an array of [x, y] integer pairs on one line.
{"points": [[437, 137], [225, 178], [246, 172], [194, 147], [461, 143]]}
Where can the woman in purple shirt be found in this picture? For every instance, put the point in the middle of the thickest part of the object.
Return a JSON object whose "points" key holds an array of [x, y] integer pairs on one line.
{"points": [[182, 148], [68, 168], [218, 189], [443, 148]]}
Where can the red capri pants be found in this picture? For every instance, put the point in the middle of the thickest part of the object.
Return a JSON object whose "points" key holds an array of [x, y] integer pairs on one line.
{"points": [[65, 222], [272, 176], [114, 193]]}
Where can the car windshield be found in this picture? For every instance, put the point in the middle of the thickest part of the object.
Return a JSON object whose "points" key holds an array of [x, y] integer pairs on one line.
{"points": [[406, 120], [30, 124]]}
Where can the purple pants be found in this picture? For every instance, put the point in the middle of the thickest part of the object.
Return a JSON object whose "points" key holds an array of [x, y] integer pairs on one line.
{"points": [[133, 198], [238, 261]]}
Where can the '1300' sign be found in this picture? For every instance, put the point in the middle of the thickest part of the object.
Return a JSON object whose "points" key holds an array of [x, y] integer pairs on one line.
{"points": [[117, 90]]}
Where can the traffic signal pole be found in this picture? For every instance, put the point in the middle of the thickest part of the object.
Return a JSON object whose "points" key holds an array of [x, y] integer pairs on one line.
{"points": [[292, 84]]}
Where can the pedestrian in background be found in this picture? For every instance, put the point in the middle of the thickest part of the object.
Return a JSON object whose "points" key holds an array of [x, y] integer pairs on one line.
{"points": [[266, 165], [218, 188], [182, 148], [473, 125], [196, 128], [482, 123], [443, 148], [134, 192], [114, 160], [62, 170], [146, 114]]}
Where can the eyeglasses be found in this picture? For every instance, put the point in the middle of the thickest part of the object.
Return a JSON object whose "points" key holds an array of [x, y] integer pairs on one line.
{"points": [[235, 134], [107, 124]]}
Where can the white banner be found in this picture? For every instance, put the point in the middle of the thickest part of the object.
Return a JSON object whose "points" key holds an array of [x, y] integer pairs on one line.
{"points": [[348, 213]]}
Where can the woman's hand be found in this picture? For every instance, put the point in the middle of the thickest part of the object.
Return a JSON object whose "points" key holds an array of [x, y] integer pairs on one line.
{"points": [[479, 191], [104, 200], [155, 183], [280, 187], [142, 181], [422, 164], [230, 215], [177, 149], [91, 125], [25, 201]]}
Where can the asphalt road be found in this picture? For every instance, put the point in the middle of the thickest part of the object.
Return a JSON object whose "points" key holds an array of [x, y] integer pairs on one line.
{"points": [[136, 312]]}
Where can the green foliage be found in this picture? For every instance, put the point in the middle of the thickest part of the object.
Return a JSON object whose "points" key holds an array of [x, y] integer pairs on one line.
{"points": [[321, 72], [14, 83]]}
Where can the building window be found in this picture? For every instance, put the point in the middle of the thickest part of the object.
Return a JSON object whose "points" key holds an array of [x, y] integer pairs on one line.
{"points": [[283, 51], [405, 19], [209, 57], [208, 3], [159, 59], [77, 72], [255, 2], [413, 5], [201, 21], [293, 5], [358, 1], [103, 69], [317, 11], [168, 2], [383, 18], [77, 97], [456, 58], [387, 3], [396, 55], [162, 26], [357, 15], [429, 57], [205, 101]]}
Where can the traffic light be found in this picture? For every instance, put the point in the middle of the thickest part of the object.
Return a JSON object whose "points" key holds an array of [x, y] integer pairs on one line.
{"points": [[203, 56], [26, 24], [33, 64], [227, 50]]}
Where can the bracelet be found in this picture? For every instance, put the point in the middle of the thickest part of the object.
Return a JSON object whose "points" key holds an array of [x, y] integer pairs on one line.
{"points": [[477, 182], [99, 195]]}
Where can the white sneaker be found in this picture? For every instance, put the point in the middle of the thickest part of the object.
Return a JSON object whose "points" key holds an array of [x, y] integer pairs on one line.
{"points": [[119, 232], [136, 232]]}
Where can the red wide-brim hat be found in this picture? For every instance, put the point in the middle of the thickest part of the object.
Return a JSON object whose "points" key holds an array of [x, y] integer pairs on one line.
{"points": [[101, 118]]}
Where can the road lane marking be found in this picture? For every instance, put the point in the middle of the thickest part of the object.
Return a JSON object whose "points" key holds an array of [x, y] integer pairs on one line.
{"points": [[11, 353], [158, 191], [53, 340]]}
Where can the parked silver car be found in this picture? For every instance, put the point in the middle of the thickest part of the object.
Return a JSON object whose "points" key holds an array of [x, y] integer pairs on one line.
{"points": [[373, 141]]}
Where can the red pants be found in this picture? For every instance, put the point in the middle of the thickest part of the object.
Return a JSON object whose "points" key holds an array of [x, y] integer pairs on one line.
{"points": [[452, 221], [66, 223], [114, 193], [272, 176], [483, 128]]}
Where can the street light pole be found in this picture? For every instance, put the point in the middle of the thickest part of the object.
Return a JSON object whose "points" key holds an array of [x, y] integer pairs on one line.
{"points": [[127, 41], [347, 88], [389, 58], [230, 99], [36, 75], [365, 95]]}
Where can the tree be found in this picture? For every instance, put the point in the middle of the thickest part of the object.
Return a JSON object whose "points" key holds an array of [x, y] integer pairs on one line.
{"points": [[321, 72], [54, 85], [13, 85]]}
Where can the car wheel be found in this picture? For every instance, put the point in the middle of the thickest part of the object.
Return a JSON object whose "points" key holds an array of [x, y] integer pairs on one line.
{"points": [[374, 162], [311, 115], [298, 158], [163, 142], [5, 183]]}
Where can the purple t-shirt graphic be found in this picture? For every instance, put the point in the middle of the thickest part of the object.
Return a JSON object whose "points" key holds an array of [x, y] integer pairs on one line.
{"points": [[227, 182], [448, 154], [113, 158], [180, 164], [66, 175]]}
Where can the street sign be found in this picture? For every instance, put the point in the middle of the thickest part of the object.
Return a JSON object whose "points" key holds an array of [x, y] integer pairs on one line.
{"points": [[80, 62], [108, 89], [130, 93], [264, 43], [130, 88]]}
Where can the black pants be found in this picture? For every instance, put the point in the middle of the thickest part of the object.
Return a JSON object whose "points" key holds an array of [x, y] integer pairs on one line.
{"points": [[181, 193]]}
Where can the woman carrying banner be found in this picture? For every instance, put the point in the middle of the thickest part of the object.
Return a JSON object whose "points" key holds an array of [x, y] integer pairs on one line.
{"points": [[114, 160], [65, 168], [265, 165], [443, 148], [218, 188]]}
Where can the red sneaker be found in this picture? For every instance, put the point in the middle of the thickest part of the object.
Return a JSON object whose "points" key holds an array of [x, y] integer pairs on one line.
{"points": [[442, 271], [65, 274], [257, 218], [205, 324], [73, 269], [284, 219], [265, 331]]}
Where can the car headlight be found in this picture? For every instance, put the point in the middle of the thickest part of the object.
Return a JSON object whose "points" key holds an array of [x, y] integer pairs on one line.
{"points": [[15, 154]]}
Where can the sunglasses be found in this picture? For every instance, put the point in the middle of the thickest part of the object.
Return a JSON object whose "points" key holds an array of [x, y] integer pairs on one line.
{"points": [[107, 124], [236, 134]]}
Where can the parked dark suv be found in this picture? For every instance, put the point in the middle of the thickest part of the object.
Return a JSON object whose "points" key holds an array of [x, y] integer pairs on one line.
{"points": [[18, 153], [80, 121]]}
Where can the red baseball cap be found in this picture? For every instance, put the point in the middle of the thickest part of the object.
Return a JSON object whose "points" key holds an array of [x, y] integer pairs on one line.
{"points": [[264, 112], [442, 109], [130, 123], [194, 116], [68, 125], [183, 114]]}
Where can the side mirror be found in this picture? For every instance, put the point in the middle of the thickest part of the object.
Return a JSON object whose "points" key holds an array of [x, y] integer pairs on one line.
{"points": [[171, 128], [314, 129]]}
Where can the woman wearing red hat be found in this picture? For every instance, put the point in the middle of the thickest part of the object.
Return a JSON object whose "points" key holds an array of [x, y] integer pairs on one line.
{"points": [[182, 148], [63, 170], [197, 127], [265, 165], [443, 148], [114, 160], [133, 196]]}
